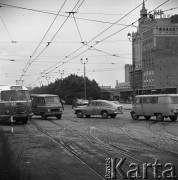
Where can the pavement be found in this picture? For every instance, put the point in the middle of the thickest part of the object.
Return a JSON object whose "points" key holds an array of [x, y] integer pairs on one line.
{"points": [[172, 128]]}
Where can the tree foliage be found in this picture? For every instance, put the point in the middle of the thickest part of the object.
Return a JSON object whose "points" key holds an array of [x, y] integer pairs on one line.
{"points": [[71, 87]]}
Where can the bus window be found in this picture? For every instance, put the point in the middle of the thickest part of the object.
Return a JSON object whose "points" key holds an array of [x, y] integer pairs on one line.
{"points": [[23, 95], [12, 95], [154, 99], [9, 95], [138, 100], [146, 100], [175, 100]]}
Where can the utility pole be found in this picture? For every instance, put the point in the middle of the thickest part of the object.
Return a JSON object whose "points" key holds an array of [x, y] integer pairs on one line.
{"points": [[84, 63], [133, 63], [61, 73]]}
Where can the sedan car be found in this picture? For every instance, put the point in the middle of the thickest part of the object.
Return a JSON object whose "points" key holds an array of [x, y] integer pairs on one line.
{"points": [[99, 107]]}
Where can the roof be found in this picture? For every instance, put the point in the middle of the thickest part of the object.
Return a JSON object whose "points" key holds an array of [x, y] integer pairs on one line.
{"points": [[12, 87], [43, 95], [158, 95]]}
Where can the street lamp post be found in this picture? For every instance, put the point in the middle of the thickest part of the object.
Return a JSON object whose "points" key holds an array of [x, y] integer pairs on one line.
{"points": [[62, 72], [48, 80], [84, 62], [133, 63]]}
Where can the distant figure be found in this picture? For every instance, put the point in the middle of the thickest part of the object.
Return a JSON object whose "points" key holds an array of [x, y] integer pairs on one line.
{"points": [[62, 103], [74, 104]]}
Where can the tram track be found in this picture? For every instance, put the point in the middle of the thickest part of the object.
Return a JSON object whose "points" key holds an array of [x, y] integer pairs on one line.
{"points": [[69, 149], [149, 144], [91, 138], [60, 142], [107, 146], [162, 132]]}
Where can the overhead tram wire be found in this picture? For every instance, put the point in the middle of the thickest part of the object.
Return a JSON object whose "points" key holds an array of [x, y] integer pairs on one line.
{"points": [[6, 29], [52, 37], [29, 63], [45, 12], [104, 38], [94, 38]]}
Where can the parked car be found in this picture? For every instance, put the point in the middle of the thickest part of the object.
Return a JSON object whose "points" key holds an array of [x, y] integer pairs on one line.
{"points": [[46, 105], [159, 105], [98, 107], [116, 102], [79, 102]]}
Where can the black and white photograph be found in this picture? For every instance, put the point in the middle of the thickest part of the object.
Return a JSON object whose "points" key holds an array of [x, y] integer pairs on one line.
{"points": [[88, 89]]}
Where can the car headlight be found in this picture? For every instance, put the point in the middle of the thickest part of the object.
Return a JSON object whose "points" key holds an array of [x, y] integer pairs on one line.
{"points": [[49, 110]]}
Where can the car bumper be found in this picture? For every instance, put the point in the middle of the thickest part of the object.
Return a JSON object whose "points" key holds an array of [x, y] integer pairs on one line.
{"points": [[52, 113]]}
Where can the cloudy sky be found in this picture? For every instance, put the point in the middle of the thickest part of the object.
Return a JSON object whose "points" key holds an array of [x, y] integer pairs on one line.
{"points": [[42, 40]]}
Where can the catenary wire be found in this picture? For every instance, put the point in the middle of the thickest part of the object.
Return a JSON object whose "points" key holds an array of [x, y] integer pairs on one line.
{"points": [[104, 38], [93, 39], [29, 63], [6, 29], [40, 11]]}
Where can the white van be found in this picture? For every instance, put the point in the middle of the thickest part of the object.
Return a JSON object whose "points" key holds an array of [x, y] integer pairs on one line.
{"points": [[159, 105]]}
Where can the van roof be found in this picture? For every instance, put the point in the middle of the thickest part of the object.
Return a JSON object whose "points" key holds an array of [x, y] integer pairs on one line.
{"points": [[43, 95], [158, 95]]}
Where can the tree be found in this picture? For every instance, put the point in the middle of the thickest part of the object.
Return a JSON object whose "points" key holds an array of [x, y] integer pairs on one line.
{"points": [[71, 87]]}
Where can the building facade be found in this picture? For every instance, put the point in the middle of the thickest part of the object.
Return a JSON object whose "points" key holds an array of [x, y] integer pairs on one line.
{"points": [[155, 54]]}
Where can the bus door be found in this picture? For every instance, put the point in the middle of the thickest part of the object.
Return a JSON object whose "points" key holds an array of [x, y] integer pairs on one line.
{"points": [[150, 105], [139, 106]]}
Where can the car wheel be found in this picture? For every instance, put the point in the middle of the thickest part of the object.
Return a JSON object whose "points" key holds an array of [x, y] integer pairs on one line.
{"points": [[88, 116], [134, 116], [43, 116], [173, 118], [59, 116], [79, 114], [104, 114], [147, 117], [159, 117], [113, 115]]}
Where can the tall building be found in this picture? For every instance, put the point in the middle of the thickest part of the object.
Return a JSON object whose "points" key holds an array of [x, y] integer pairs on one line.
{"points": [[155, 52]]}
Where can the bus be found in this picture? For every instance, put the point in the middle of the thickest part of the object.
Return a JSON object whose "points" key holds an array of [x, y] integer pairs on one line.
{"points": [[15, 101], [159, 105]]}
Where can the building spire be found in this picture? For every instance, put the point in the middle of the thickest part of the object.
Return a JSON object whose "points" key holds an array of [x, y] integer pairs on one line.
{"points": [[143, 12]]}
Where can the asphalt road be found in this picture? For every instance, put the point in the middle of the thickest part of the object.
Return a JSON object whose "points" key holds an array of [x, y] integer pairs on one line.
{"points": [[96, 148]]}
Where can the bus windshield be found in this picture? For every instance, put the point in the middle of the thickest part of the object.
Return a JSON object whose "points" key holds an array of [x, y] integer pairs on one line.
{"points": [[175, 100], [52, 100], [12, 95]]}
